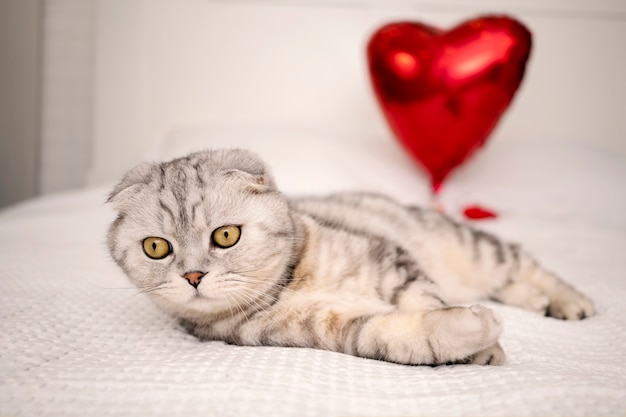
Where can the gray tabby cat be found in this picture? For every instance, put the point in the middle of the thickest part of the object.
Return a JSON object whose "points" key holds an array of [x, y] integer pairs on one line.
{"points": [[213, 242]]}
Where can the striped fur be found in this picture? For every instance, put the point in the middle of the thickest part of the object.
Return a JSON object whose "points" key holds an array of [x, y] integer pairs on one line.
{"points": [[353, 273]]}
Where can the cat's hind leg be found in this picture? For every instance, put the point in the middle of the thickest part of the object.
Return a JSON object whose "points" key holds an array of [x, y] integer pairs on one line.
{"points": [[523, 295], [509, 275], [534, 288], [470, 264]]}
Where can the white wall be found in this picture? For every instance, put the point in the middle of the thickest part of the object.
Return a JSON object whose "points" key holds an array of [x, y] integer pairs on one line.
{"points": [[160, 64], [67, 100]]}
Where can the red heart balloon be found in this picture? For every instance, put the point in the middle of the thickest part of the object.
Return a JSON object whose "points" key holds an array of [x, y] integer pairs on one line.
{"points": [[442, 93]]}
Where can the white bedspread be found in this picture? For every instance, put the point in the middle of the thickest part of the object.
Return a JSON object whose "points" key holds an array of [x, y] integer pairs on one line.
{"points": [[77, 339]]}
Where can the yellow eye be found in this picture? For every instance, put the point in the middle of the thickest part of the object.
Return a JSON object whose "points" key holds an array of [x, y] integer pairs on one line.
{"points": [[226, 236], [156, 247]]}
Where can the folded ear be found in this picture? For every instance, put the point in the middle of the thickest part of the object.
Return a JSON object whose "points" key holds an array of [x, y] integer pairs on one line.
{"points": [[255, 183], [134, 180]]}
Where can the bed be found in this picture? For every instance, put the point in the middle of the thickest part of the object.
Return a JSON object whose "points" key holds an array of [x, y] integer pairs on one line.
{"points": [[77, 339], [289, 80]]}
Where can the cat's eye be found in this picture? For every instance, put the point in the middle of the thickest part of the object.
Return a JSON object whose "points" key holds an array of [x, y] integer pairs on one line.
{"points": [[226, 236], [156, 247]]}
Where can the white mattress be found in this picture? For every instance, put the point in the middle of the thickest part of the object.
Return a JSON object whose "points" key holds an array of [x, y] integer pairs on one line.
{"points": [[77, 339]]}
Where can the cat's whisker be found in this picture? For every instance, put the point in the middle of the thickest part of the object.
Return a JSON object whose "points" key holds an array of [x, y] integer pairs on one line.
{"points": [[262, 301], [250, 301], [230, 297], [117, 288], [153, 288], [275, 285], [245, 271], [259, 280]]}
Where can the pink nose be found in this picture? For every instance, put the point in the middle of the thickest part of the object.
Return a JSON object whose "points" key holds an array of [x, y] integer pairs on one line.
{"points": [[194, 277]]}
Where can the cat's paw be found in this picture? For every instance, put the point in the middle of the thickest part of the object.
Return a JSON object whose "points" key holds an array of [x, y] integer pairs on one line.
{"points": [[459, 333], [493, 355], [570, 304]]}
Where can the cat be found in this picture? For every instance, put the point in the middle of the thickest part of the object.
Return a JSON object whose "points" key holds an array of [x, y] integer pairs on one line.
{"points": [[213, 242]]}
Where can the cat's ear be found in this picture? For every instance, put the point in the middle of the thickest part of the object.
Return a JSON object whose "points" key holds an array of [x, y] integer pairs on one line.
{"points": [[255, 183], [130, 185]]}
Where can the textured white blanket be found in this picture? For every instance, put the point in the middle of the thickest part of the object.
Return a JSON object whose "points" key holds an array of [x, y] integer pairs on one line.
{"points": [[77, 339]]}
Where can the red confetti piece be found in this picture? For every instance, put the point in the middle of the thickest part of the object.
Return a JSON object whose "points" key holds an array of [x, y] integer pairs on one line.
{"points": [[479, 213]]}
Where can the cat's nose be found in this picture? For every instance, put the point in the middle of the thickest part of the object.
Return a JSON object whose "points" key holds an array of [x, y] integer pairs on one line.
{"points": [[194, 277]]}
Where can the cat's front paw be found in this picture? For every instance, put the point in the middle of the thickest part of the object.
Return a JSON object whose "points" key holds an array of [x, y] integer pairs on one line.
{"points": [[465, 335], [570, 304], [493, 355]]}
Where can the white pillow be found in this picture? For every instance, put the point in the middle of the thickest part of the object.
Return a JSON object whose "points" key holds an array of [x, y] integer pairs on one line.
{"points": [[548, 179]]}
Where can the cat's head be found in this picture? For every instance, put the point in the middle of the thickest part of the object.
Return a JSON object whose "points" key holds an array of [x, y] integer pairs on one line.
{"points": [[202, 234]]}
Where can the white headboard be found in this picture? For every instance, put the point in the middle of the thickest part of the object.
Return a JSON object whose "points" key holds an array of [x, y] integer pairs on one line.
{"points": [[162, 64]]}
